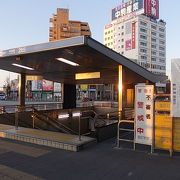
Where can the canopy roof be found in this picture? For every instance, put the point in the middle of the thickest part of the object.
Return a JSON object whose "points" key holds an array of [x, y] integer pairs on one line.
{"points": [[90, 55]]}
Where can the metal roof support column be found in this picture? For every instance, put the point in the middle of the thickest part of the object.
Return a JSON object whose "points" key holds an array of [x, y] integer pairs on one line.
{"points": [[120, 88], [22, 90]]}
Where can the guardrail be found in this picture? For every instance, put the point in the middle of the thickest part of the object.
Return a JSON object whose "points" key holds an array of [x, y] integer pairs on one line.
{"points": [[14, 108]]}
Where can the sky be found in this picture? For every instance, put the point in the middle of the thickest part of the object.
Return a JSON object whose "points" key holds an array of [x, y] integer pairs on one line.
{"points": [[26, 22]]}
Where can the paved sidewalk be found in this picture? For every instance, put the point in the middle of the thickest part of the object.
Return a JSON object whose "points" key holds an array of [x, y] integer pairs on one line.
{"points": [[46, 138], [100, 162]]}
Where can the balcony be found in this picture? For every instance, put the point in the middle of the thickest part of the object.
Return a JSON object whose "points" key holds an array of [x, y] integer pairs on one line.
{"points": [[64, 29], [66, 35], [51, 34], [51, 29]]}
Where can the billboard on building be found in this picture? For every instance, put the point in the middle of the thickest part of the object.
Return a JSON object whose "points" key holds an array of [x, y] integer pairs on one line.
{"points": [[36, 85], [144, 105], [175, 87], [47, 85], [149, 7], [128, 45], [126, 8]]}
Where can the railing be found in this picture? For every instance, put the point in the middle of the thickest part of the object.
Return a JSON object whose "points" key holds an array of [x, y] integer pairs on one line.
{"points": [[95, 119], [44, 117], [42, 106], [41, 116]]}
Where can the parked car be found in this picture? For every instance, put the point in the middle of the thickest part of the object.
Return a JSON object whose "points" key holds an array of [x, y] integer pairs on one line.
{"points": [[2, 96]]}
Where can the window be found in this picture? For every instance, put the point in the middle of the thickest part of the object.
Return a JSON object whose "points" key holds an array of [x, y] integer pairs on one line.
{"points": [[143, 30], [143, 23], [161, 29], [161, 35], [154, 27], [161, 48], [161, 60], [153, 39], [143, 44], [144, 57], [153, 52], [161, 42], [122, 40], [143, 37], [143, 50], [122, 27], [162, 54], [122, 33], [153, 33], [162, 68], [153, 46], [153, 59]]}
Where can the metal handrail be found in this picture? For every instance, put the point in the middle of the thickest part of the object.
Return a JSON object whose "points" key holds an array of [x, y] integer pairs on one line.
{"points": [[54, 120]]}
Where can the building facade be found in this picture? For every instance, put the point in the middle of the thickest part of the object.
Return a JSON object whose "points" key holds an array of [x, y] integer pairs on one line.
{"points": [[137, 33], [62, 27]]}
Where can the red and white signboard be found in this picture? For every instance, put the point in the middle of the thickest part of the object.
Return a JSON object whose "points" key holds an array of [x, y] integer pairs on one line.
{"points": [[134, 35], [151, 8], [144, 106]]}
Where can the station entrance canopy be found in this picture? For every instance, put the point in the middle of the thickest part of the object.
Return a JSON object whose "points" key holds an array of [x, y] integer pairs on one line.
{"points": [[84, 54]]}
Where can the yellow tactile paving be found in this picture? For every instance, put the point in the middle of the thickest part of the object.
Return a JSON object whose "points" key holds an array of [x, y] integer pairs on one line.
{"points": [[12, 174], [22, 149], [5, 127], [48, 135]]}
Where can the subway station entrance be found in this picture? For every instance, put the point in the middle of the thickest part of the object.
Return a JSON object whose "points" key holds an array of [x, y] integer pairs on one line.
{"points": [[79, 60]]}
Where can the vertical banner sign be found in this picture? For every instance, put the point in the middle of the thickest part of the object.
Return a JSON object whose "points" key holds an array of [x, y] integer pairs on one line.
{"points": [[133, 35], [144, 114], [175, 102], [151, 8], [175, 87]]}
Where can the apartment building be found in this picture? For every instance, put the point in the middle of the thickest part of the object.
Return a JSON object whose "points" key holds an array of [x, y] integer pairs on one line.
{"points": [[137, 33], [62, 27]]}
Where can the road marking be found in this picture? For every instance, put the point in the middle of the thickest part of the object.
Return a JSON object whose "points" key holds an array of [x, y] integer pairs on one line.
{"points": [[22, 149], [11, 174]]}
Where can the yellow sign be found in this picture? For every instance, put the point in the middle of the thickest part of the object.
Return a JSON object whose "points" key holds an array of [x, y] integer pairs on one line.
{"points": [[162, 106], [31, 78], [163, 131], [176, 134], [90, 75]]}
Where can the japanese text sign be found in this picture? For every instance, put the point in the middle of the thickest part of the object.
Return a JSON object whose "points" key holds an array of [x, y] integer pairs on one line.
{"points": [[144, 108]]}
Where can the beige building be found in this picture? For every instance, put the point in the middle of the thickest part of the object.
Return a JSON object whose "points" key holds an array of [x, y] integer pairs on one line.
{"points": [[62, 27]]}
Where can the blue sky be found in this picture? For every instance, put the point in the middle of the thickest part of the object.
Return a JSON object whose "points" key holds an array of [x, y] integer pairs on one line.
{"points": [[25, 22]]}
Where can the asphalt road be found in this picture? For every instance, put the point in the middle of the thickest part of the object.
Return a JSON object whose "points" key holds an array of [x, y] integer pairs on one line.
{"points": [[98, 162]]}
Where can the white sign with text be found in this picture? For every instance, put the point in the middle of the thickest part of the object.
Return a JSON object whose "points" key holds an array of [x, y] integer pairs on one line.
{"points": [[144, 107]]}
